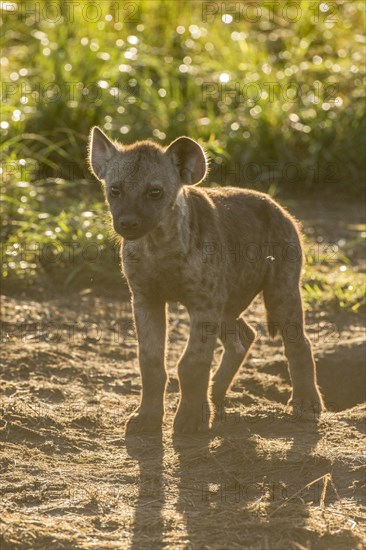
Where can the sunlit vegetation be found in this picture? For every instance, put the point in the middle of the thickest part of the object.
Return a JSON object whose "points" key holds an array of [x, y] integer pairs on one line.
{"points": [[276, 96]]}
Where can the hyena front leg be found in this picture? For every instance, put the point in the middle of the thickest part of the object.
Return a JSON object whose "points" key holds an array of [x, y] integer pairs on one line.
{"points": [[150, 320], [193, 414], [237, 337]]}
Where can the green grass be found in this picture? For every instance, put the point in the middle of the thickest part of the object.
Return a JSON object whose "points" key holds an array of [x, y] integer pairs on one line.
{"points": [[292, 105], [159, 69], [333, 284], [63, 238], [66, 239]]}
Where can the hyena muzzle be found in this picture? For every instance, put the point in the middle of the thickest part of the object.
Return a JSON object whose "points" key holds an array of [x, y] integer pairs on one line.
{"points": [[213, 250]]}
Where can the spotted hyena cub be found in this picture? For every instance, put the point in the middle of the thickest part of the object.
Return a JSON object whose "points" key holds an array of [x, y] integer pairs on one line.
{"points": [[213, 250]]}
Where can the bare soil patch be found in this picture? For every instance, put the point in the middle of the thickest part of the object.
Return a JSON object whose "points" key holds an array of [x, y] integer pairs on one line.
{"points": [[261, 479]]}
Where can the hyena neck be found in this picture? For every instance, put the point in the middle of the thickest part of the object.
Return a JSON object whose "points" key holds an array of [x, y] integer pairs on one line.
{"points": [[173, 231]]}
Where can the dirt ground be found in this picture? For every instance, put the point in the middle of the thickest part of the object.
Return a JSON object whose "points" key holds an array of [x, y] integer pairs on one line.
{"points": [[261, 479]]}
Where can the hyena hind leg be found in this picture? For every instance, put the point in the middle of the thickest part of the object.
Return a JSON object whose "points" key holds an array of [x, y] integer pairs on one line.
{"points": [[285, 310], [237, 337]]}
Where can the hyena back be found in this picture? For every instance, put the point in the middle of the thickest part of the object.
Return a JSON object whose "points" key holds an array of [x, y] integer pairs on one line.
{"points": [[213, 250]]}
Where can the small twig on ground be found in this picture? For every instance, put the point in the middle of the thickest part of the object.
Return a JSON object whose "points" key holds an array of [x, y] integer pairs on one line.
{"points": [[326, 478], [323, 477]]}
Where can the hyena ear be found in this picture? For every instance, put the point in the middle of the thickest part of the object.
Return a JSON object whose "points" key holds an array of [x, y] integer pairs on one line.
{"points": [[189, 158], [101, 149]]}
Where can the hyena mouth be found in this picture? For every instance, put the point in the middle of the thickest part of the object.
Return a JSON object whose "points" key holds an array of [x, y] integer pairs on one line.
{"points": [[131, 235]]}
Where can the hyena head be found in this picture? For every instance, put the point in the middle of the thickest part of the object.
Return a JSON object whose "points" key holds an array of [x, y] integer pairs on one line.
{"points": [[142, 181]]}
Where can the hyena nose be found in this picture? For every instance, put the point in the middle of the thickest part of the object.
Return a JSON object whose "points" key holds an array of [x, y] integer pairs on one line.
{"points": [[129, 222]]}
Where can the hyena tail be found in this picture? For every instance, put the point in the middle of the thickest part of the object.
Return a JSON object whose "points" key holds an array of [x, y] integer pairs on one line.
{"points": [[272, 327]]}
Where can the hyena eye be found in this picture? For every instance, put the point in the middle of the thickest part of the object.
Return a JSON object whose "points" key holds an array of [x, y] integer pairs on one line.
{"points": [[155, 193], [115, 192]]}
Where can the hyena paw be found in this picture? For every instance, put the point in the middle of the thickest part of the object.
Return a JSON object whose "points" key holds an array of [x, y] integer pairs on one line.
{"points": [[140, 423], [307, 404], [191, 420]]}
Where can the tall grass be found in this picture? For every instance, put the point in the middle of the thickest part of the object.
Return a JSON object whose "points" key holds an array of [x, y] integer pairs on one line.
{"points": [[275, 87], [274, 91]]}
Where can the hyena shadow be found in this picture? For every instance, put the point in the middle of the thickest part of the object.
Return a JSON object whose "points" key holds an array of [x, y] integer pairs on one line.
{"points": [[232, 487], [242, 485], [148, 520]]}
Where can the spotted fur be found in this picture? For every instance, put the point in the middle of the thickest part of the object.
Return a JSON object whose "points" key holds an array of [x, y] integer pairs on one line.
{"points": [[213, 250]]}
